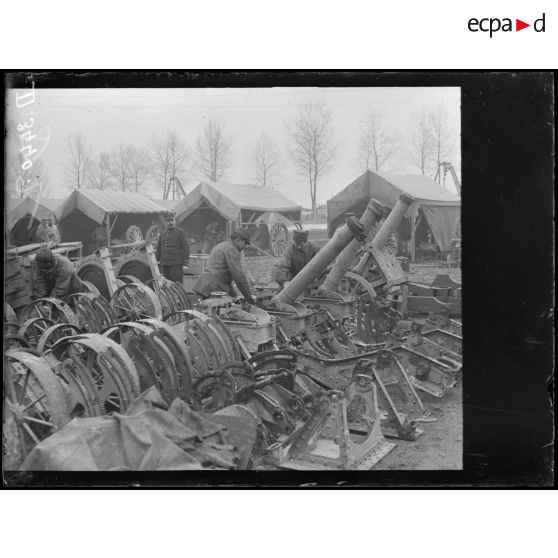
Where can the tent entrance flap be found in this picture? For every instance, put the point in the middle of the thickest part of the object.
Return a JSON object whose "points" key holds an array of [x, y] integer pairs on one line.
{"points": [[443, 221]]}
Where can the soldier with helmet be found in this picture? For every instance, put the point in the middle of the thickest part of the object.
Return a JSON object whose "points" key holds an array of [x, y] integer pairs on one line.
{"points": [[54, 275], [224, 266], [172, 250]]}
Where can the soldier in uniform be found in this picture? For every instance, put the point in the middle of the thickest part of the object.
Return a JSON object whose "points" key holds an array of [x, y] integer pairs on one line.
{"points": [[172, 251], [47, 231], [297, 255], [54, 276], [224, 267]]}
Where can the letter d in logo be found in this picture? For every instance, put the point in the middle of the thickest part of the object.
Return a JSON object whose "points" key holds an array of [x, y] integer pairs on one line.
{"points": [[539, 24]]}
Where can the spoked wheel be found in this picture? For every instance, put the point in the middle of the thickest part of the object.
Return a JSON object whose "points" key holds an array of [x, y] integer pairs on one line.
{"points": [[52, 309], [134, 234], [279, 239], [35, 404], [32, 329], [152, 234], [82, 305], [135, 301], [14, 341], [54, 333], [104, 366]]}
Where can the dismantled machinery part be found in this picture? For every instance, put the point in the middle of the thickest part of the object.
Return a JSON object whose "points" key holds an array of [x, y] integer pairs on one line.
{"points": [[442, 320], [172, 296], [35, 405], [104, 365], [126, 279], [133, 234], [14, 341], [91, 288], [428, 345], [54, 333], [55, 310], [152, 355], [135, 301], [92, 270], [328, 441], [134, 265], [31, 330], [449, 342]]}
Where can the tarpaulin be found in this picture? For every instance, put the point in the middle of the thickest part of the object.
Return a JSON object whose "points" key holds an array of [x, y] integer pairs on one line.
{"points": [[237, 202], [150, 436], [441, 207]]}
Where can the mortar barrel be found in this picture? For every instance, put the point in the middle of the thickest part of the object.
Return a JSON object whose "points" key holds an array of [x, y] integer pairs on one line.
{"points": [[369, 218], [392, 221], [312, 270]]}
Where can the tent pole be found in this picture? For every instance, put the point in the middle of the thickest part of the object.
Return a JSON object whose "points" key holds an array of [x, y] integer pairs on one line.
{"points": [[413, 228], [108, 229]]}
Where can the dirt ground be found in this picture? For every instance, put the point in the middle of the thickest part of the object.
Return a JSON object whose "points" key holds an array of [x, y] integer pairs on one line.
{"points": [[440, 447]]}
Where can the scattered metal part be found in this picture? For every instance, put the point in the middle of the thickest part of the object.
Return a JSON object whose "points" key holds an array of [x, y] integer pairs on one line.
{"points": [[33, 328], [54, 333], [52, 309]]}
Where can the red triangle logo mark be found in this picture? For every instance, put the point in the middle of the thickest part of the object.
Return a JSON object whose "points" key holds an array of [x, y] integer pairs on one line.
{"points": [[519, 25]]}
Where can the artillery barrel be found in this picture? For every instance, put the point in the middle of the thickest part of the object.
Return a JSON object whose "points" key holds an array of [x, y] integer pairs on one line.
{"points": [[311, 271], [369, 218], [392, 221]]}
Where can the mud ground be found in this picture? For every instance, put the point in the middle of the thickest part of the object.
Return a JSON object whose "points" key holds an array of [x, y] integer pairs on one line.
{"points": [[440, 447]]}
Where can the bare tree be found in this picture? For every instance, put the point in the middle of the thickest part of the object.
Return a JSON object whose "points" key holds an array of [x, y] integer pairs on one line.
{"points": [[264, 160], [140, 167], [101, 176], [213, 150], [121, 165], [419, 146], [442, 134], [23, 181], [169, 156], [312, 144], [376, 141], [78, 160]]}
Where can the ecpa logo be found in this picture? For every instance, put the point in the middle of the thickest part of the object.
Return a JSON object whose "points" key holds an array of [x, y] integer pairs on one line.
{"points": [[494, 24]]}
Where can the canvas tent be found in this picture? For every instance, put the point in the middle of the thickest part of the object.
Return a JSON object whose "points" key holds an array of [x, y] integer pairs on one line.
{"points": [[88, 212], [435, 208], [23, 217], [233, 205]]}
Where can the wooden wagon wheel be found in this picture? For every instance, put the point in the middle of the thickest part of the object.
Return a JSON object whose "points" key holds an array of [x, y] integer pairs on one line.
{"points": [[135, 301], [35, 404], [133, 234], [279, 239]]}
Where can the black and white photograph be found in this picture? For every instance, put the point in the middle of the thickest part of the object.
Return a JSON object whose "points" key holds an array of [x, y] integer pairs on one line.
{"points": [[263, 279]]}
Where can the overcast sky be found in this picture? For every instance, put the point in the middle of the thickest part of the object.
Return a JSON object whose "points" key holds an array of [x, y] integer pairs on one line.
{"points": [[107, 117]]}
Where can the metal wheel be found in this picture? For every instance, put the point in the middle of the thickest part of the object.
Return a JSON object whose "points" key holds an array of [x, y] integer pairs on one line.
{"points": [[127, 279], [133, 234], [91, 288], [92, 270], [82, 305], [54, 333], [135, 301], [35, 404], [14, 341], [104, 366], [52, 309], [9, 315], [32, 329], [135, 266], [152, 234], [279, 239]]}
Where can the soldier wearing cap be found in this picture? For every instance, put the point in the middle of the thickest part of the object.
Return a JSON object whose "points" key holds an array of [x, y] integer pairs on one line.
{"points": [[172, 250], [297, 255], [224, 267], [54, 276], [47, 231]]}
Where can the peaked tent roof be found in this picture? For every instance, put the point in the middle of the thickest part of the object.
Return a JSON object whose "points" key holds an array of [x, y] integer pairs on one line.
{"points": [[441, 207], [37, 207], [97, 203], [230, 199], [167, 204]]}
